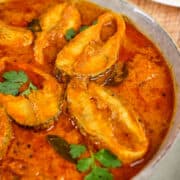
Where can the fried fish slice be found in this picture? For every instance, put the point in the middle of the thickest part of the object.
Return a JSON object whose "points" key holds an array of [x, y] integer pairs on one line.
{"points": [[39, 108], [4, 1], [54, 23], [14, 36], [5, 132], [102, 115], [89, 53]]}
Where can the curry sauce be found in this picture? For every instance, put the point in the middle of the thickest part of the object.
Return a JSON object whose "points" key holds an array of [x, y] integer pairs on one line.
{"points": [[146, 85]]}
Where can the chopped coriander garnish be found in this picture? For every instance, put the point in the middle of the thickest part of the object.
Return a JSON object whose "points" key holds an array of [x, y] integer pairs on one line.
{"points": [[107, 159], [76, 150], [83, 28], [99, 173], [84, 164], [104, 157], [70, 34], [8, 87], [14, 76], [96, 165], [30, 88], [13, 81]]}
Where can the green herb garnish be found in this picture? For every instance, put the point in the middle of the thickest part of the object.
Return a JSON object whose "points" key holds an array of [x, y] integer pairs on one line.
{"points": [[76, 150], [14, 76], [7, 87], [13, 80], [30, 88], [83, 28], [96, 165], [84, 164], [70, 34], [35, 26], [104, 157], [99, 173], [107, 159]]}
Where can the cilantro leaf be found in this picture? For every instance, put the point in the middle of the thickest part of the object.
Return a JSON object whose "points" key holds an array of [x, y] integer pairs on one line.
{"points": [[107, 159], [26, 92], [7, 87], [13, 81], [14, 76], [99, 173], [76, 150], [30, 88], [70, 33], [83, 28], [84, 164]]}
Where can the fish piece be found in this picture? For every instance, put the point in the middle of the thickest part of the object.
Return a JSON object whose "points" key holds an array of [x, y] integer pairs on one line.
{"points": [[5, 132], [107, 118], [113, 76], [41, 107], [54, 24], [89, 53], [4, 1], [14, 36]]}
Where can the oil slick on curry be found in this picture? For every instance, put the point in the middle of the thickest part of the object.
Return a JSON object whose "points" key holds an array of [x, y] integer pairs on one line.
{"points": [[83, 94]]}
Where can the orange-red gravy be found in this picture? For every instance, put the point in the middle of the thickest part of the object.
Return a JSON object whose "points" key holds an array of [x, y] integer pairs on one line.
{"points": [[148, 87]]}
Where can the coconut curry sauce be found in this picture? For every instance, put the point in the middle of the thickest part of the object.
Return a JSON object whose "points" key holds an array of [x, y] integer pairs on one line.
{"points": [[140, 77]]}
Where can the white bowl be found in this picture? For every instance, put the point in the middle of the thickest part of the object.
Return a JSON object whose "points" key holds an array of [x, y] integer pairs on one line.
{"points": [[165, 44]]}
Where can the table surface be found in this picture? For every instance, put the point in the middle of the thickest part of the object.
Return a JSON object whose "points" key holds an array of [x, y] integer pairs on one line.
{"points": [[168, 17]]}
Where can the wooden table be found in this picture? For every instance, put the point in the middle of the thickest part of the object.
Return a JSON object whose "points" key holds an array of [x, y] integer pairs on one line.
{"points": [[168, 17]]}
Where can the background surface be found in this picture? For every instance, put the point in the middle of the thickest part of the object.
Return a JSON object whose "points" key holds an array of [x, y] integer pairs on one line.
{"points": [[169, 18]]}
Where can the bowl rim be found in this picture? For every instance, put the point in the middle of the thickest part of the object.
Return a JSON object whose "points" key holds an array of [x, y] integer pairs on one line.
{"points": [[165, 44]]}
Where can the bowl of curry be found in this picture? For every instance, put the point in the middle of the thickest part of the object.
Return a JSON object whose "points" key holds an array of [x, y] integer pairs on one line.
{"points": [[88, 90]]}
